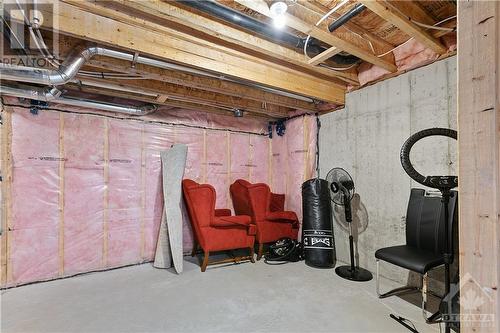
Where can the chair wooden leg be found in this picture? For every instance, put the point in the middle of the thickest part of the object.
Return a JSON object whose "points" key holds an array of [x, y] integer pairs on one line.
{"points": [[261, 249], [205, 261], [252, 254], [193, 251]]}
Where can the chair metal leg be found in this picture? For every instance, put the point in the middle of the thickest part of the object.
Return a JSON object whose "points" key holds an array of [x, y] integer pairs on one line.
{"points": [[393, 292], [377, 279], [433, 319], [436, 317], [424, 296]]}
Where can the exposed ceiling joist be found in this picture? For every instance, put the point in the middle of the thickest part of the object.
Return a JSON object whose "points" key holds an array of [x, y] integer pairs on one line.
{"points": [[168, 102], [349, 26], [356, 39], [169, 13], [195, 95], [191, 51], [318, 59], [404, 23], [220, 86], [295, 23]]}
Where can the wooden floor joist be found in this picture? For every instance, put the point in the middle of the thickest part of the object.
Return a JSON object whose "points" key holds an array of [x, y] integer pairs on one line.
{"points": [[349, 25], [76, 22], [404, 23], [202, 83], [172, 103], [169, 14], [195, 95], [213, 84], [295, 23]]}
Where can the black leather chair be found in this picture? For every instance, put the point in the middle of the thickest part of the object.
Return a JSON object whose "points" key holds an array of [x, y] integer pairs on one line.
{"points": [[424, 240]]}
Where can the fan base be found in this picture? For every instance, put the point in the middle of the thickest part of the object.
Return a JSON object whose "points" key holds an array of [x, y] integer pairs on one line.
{"points": [[358, 274]]}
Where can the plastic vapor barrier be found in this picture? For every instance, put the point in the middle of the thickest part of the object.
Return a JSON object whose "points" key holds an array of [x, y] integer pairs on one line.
{"points": [[85, 190]]}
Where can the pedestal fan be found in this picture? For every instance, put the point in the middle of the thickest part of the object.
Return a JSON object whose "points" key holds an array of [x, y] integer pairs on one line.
{"points": [[342, 192]]}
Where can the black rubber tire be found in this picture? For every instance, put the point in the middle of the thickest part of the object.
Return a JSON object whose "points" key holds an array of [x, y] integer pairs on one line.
{"points": [[405, 152]]}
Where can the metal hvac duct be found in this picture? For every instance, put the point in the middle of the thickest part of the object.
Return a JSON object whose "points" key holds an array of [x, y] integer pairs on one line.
{"points": [[72, 64], [77, 59], [54, 95]]}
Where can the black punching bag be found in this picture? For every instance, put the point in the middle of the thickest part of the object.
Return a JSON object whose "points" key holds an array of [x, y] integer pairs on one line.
{"points": [[317, 225]]}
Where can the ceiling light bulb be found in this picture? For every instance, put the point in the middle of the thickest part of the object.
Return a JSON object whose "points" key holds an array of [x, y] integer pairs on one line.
{"points": [[279, 21], [278, 8]]}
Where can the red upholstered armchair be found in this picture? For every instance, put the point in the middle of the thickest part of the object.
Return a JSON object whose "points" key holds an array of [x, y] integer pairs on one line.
{"points": [[215, 229], [267, 210]]}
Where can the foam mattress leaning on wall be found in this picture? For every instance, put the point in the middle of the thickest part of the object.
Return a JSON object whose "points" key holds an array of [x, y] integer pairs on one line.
{"points": [[86, 189]]}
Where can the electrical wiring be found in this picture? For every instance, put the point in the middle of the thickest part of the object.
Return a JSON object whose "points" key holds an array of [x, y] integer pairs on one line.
{"points": [[433, 27], [366, 39], [52, 60], [435, 24], [338, 68], [391, 310], [38, 39], [333, 10], [110, 76], [394, 49]]}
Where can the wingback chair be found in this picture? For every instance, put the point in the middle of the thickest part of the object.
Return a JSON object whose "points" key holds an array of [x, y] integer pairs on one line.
{"points": [[267, 212], [215, 229]]}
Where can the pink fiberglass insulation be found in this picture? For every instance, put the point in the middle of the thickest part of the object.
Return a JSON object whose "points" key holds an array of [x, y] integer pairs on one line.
{"points": [[408, 56], [260, 159], [217, 165], [87, 190], [296, 153], [240, 165], [35, 197], [279, 164], [156, 138], [124, 193], [83, 143], [194, 139]]}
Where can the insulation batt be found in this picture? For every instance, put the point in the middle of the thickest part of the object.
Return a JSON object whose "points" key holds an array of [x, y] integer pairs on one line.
{"points": [[86, 189], [411, 55]]}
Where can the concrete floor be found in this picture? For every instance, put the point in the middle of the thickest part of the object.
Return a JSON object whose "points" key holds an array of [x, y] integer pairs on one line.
{"points": [[235, 298]]}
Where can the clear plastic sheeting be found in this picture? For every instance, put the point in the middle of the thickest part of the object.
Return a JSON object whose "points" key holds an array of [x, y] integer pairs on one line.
{"points": [[86, 189]]}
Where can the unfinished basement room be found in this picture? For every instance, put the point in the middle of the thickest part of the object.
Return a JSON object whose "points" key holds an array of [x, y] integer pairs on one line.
{"points": [[250, 166]]}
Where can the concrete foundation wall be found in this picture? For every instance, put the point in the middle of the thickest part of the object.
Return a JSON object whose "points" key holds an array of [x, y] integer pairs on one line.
{"points": [[365, 138]]}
